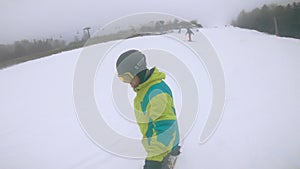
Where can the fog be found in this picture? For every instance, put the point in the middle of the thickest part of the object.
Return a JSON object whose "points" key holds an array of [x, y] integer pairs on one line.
{"points": [[33, 19]]}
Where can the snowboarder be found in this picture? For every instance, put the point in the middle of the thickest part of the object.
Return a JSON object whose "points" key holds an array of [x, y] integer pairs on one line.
{"points": [[154, 109], [189, 32]]}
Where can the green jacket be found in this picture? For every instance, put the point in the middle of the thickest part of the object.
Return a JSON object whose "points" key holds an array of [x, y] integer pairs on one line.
{"points": [[156, 116]]}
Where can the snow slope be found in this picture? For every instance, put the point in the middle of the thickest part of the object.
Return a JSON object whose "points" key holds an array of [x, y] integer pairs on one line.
{"points": [[260, 128]]}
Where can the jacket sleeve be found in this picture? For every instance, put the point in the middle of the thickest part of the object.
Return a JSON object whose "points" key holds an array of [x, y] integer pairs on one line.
{"points": [[162, 127]]}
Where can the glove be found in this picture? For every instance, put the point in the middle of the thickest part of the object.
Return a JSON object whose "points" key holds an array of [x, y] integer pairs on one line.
{"points": [[170, 160]]}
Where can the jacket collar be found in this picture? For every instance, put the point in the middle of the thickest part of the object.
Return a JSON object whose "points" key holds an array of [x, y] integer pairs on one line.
{"points": [[155, 77]]}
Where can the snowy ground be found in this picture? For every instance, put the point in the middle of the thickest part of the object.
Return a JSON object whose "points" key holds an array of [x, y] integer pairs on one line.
{"points": [[260, 128]]}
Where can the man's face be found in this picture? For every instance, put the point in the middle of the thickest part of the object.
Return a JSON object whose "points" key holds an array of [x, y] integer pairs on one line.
{"points": [[135, 82]]}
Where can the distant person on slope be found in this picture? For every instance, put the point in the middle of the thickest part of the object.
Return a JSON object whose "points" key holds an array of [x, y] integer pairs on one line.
{"points": [[189, 32], [154, 109]]}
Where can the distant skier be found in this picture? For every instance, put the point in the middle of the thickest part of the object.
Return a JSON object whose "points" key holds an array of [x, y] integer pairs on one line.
{"points": [[189, 32], [154, 109]]}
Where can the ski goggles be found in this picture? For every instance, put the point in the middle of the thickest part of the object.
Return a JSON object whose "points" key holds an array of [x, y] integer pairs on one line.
{"points": [[126, 77]]}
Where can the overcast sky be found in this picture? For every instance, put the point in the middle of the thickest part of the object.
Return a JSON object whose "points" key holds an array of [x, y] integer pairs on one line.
{"points": [[29, 19]]}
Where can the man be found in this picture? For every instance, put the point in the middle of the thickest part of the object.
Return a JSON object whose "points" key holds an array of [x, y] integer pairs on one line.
{"points": [[154, 109], [189, 32]]}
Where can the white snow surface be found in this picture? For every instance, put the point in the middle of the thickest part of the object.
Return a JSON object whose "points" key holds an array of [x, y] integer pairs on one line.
{"points": [[260, 127]]}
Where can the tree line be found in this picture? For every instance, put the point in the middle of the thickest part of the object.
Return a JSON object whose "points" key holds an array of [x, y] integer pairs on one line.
{"points": [[26, 47], [24, 50], [273, 19], [150, 28]]}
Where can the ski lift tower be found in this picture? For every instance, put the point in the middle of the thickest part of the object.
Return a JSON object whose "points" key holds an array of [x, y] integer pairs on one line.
{"points": [[87, 29]]}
